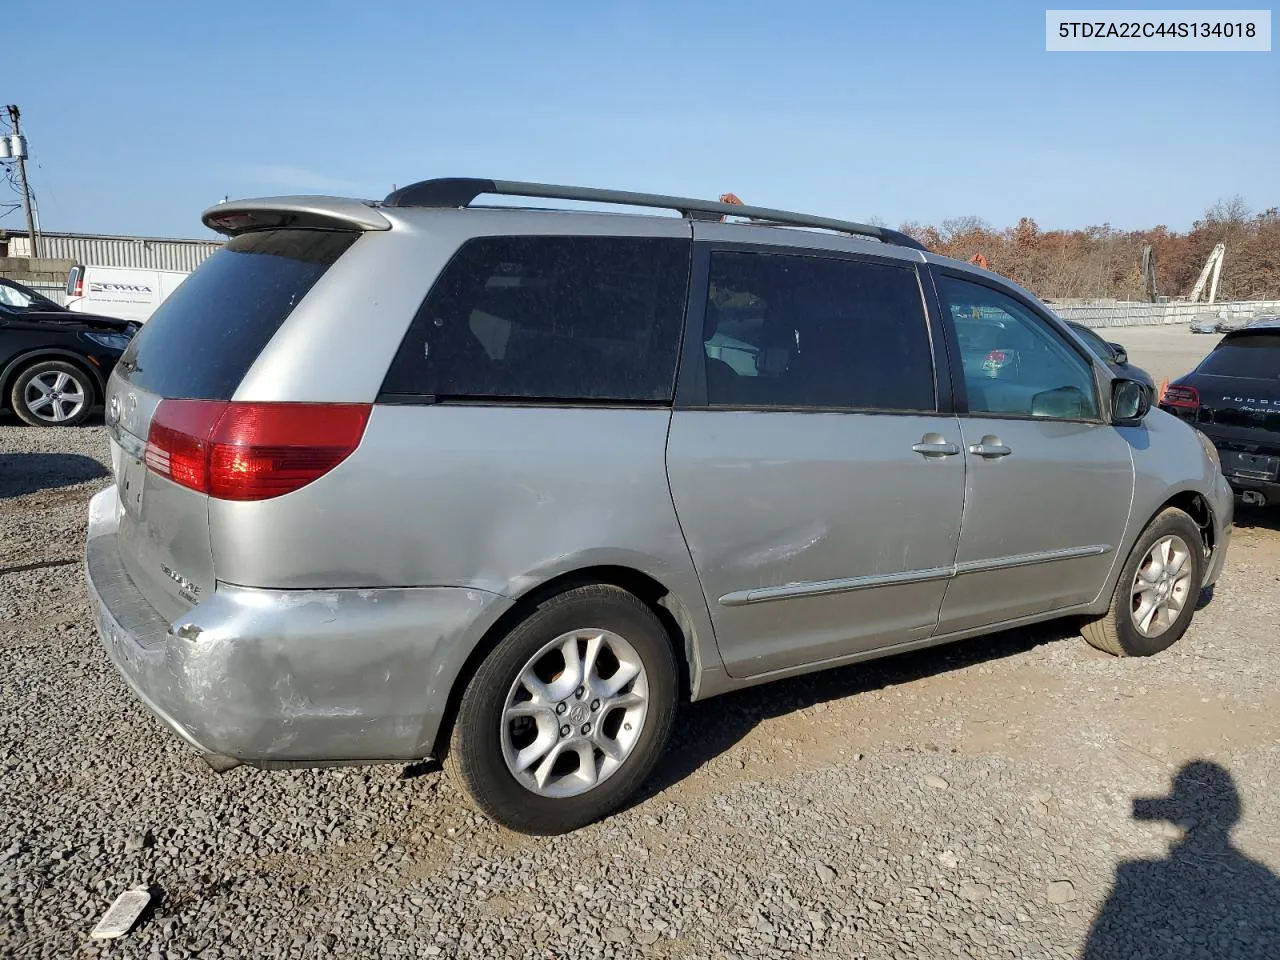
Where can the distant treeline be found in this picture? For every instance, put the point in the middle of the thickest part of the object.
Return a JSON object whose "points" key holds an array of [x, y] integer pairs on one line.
{"points": [[1105, 262]]}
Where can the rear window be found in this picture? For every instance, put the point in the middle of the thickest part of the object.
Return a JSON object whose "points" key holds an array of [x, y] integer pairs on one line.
{"points": [[202, 339], [549, 318], [1253, 356]]}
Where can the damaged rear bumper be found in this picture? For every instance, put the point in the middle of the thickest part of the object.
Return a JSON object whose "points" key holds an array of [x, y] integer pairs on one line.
{"points": [[288, 676]]}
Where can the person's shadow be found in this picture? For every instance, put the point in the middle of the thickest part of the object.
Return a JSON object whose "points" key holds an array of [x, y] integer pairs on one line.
{"points": [[1207, 899]]}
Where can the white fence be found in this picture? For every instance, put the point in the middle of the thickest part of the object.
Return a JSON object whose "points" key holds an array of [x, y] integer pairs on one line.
{"points": [[144, 253], [55, 292], [1135, 313]]}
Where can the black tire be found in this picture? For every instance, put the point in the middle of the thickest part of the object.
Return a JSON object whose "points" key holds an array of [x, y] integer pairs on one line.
{"points": [[78, 382], [475, 754], [1115, 632]]}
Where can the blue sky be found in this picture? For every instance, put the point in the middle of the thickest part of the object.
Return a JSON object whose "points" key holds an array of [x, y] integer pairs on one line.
{"points": [[141, 114]]}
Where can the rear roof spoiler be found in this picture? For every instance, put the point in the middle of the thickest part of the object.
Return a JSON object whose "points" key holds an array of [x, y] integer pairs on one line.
{"points": [[1269, 327], [265, 213]]}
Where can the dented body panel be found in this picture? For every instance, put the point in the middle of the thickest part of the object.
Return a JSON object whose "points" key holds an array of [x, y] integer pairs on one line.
{"points": [[304, 675]]}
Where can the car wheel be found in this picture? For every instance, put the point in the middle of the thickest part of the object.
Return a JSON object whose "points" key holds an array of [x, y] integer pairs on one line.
{"points": [[569, 714], [52, 393], [1157, 592]]}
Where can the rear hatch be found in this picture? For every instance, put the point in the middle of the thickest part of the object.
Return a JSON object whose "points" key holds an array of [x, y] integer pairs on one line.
{"points": [[1240, 408], [176, 437]]}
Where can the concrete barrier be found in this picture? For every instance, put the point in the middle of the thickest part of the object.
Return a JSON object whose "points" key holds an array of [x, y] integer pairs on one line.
{"points": [[1120, 313], [36, 270], [44, 275]]}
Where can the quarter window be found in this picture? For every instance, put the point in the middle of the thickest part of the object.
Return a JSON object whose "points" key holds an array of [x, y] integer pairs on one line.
{"points": [[1014, 364], [549, 318], [786, 331]]}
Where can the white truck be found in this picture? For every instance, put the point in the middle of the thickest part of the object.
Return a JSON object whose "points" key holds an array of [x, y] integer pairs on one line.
{"points": [[129, 293]]}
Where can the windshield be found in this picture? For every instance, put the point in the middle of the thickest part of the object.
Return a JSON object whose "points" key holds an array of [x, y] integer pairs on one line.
{"points": [[1093, 342]]}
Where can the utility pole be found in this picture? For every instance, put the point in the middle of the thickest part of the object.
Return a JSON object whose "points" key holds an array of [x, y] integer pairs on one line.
{"points": [[20, 154]]}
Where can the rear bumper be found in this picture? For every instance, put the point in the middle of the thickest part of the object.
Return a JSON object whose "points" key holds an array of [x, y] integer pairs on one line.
{"points": [[294, 676], [1269, 489]]}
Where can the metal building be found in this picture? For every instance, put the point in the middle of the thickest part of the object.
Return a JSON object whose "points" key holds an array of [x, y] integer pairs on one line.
{"points": [[100, 250]]}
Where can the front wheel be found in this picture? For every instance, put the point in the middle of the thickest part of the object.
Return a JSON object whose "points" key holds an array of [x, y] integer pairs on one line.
{"points": [[569, 714], [52, 393], [1157, 592]]}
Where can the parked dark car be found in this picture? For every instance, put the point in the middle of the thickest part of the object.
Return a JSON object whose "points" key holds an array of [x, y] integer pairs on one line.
{"points": [[1233, 397], [1112, 354], [54, 363]]}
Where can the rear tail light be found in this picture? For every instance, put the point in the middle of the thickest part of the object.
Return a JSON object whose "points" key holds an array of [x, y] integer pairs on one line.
{"points": [[251, 451], [77, 288], [178, 441], [1182, 398]]}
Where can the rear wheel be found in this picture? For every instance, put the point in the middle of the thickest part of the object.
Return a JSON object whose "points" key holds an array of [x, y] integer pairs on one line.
{"points": [[569, 714], [1156, 594], [52, 393]]}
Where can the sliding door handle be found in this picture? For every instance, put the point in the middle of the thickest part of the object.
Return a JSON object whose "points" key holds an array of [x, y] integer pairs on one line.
{"points": [[936, 449], [989, 448]]}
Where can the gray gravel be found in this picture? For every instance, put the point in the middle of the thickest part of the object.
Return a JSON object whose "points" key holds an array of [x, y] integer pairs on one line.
{"points": [[976, 801]]}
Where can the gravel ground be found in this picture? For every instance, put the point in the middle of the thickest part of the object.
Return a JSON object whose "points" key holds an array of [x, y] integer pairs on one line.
{"points": [[976, 801]]}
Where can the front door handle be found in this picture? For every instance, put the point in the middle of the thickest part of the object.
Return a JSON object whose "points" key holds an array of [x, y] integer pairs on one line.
{"points": [[936, 448], [990, 448]]}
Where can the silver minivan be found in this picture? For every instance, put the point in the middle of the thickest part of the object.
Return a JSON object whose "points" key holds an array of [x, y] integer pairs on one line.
{"points": [[507, 486]]}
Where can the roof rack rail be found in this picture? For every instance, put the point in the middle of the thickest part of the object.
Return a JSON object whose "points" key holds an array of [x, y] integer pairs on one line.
{"points": [[461, 191]]}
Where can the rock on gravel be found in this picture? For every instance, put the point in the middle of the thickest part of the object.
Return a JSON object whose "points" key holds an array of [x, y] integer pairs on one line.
{"points": [[1061, 891]]}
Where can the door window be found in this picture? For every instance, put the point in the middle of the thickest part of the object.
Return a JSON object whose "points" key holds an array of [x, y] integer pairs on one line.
{"points": [[1014, 363], [789, 331]]}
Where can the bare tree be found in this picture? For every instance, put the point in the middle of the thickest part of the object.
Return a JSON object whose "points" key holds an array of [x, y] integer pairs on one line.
{"points": [[1228, 210], [954, 227], [1101, 261]]}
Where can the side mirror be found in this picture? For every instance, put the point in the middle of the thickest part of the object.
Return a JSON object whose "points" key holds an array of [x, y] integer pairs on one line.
{"points": [[1118, 353], [1130, 402]]}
